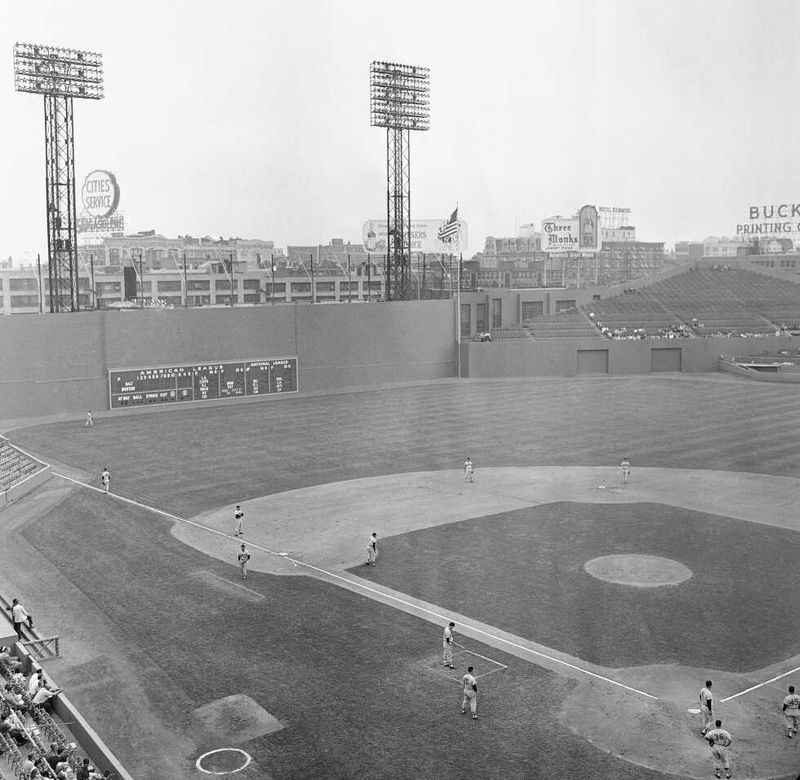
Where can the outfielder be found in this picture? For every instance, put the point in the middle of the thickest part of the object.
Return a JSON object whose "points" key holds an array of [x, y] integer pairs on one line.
{"points": [[791, 711], [707, 707], [470, 694], [105, 479], [238, 521], [625, 465], [448, 640], [468, 470], [720, 741], [372, 549]]}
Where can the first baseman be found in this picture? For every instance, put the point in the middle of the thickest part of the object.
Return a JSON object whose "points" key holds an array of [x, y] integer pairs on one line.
{"points": [[791, 711]]}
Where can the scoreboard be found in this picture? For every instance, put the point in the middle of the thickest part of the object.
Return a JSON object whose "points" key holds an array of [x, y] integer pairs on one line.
{"points": [[201, 382]]}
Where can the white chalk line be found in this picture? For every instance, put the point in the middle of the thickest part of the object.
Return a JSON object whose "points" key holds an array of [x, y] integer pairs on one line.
{"points": [[760, 685], [354, 582], [472, 652]]}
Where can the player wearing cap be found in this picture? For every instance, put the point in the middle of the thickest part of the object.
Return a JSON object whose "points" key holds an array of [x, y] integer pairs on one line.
{"points": [[625, 465], [448, 640], [238, 521], [372, 549], [720, 741], [706, 707], [243, 558], [470, 694], [105, 479], [791, 711], [468, 470]]}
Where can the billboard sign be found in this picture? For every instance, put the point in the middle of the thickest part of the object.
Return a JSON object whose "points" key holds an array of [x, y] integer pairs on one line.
{"points": [[572, 234], [778, 220], [100, 194], [424, 236]]}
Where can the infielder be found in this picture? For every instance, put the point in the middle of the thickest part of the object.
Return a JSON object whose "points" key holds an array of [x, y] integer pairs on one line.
{"points": [[791, 711], [720, 741], [372, 549], [625, 465], [707, 707], [470, 694], [448, 640], [238, 521], [105, 479], [468, 470], [243, 558]]}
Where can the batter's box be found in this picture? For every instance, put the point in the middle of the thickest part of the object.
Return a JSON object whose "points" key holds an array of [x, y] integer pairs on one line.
{"points": [[462, 658]]}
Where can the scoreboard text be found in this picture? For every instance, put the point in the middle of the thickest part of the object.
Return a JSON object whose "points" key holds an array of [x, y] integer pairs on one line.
{"points": [[201, 382]]}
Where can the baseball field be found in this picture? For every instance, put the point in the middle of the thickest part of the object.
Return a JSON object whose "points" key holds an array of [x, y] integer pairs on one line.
{"points": [[591, 611]]}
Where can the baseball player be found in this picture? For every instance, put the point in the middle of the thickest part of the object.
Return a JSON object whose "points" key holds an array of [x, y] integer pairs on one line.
{"points": [[238, 520], [625, 465], [706, 707], [372, 549], [448, 640], [468, 470], [470, 694], [105, 479], [89, 420], [791, 711], [243, 558], [720, 741]]}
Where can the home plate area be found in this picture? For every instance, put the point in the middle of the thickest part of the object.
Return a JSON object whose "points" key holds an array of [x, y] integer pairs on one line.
{"points": [[463, 658]]}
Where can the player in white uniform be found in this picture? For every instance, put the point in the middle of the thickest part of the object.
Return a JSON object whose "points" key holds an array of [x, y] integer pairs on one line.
{"points": [[625, 465], [238, 521], [243, 558], [105, 479], [720, 741], [470, 694], [707, 707], [468, 470], [372, 549], [791, 711], [89, 421], [448, 640]]}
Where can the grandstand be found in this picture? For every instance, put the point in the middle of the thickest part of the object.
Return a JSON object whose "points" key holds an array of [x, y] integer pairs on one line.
{"points": [[564, 325], [705, 302]]}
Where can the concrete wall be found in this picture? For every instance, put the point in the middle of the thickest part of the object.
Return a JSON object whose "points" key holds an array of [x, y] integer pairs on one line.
{"points": [[559, 357], [55, 364]]}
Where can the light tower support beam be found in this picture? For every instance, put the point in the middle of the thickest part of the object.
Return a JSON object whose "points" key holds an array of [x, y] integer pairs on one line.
{"points": [[400, 102]]}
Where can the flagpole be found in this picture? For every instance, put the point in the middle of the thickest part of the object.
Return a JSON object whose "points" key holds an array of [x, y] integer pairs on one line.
{"points": [[458, 315]]}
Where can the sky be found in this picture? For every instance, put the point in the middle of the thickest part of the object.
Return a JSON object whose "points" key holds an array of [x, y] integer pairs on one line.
{"points": [[250, 118]]}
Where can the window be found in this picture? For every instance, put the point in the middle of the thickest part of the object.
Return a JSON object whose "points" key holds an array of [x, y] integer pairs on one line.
{"points": [[252, 284], [481, 324], [531, 309], [298, 287], [562, 306], [165, 285], [108, 288], [278, 287], [325, 287], [252, 297], [225, 284], [23, 285], [199, 284], [465, 320], [497, 312], [24, 301]]}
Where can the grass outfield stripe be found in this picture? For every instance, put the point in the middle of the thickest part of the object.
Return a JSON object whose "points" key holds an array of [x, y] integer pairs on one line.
{"points": [[760, 685], [354, 582]]}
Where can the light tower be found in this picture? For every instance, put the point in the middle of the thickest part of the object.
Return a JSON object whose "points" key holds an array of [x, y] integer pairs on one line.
{"points": [[399, 100], [60, 75]]}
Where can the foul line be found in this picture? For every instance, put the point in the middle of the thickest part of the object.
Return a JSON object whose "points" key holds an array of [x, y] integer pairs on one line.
{"points": [[472, 652], [367, 588], [760, 685], [261, 596]]}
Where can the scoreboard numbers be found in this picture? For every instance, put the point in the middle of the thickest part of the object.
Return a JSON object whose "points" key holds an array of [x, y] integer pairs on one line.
{"points": [[201, 382]]}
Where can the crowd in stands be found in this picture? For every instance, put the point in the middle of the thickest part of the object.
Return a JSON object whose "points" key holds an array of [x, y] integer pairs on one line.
{"points": [[25, 714]]}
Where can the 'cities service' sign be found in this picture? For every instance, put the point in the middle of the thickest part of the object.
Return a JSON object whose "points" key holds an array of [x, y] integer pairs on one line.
{"points": [[100, 194]]}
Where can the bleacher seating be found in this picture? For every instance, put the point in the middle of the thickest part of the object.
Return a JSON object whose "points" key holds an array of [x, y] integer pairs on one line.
{"points": [[732, 301], [566, 325], [15, 466], [510, 334]]}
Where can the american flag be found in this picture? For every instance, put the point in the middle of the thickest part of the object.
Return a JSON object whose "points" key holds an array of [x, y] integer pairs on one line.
{"points": [[450, 228]]}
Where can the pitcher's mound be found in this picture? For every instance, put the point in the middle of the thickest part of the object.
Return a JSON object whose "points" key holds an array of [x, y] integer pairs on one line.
{"points": [[642, 571]]}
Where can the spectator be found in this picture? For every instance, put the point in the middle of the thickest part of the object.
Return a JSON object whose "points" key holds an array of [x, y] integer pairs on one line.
{"points": [[84, 770], [52, 756], [9, 661], [43, 695]]}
